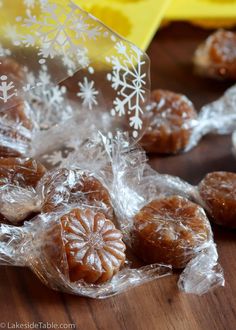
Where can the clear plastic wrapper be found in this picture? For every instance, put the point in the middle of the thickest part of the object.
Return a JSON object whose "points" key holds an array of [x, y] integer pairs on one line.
{"points": [[217, 192], [129, 185], [78, 251], [216, 56], [160, 222], [27, 189], [19, 178], [174, 126], [72, 243]]}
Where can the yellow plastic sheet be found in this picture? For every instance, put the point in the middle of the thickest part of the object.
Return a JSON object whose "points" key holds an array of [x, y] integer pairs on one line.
{"points": [[136, 20], [199, 9]]}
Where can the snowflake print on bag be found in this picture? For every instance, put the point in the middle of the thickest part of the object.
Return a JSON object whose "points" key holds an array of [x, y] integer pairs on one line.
{"points": [[88, 93], [60, 32], [50, 102], [7, 89], [82, 59], [129, 79], [55, 159], [33, 3]]}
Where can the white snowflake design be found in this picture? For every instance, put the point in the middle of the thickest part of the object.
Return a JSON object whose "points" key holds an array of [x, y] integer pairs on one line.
{"points": [[128, 78], [7, 89], [59, 158], [49, 100], [88, 93], [56, 158], [32, 3], [82, 59], [62, 31]]}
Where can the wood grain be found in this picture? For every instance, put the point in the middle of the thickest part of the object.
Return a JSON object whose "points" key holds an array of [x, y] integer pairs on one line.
{"points": [[156, 305]]}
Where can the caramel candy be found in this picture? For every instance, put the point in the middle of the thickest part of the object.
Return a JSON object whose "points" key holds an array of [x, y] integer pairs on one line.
{"points": [[218, 192], [93, 246], [217, 56], [20, 172], [63, 186], [170, 230], [170, 123], [18, 179]]}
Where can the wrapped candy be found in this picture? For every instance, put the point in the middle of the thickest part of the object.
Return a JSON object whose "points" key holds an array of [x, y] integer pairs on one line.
{"points": [[159, 221], [218, 193], [216, 57], [215, 193], [20, 172], [160, 227], [19, 178], [170, 230], [171, 120], [174, 125], [79, 252], [26, 188], [64, 186], [73, 242]]}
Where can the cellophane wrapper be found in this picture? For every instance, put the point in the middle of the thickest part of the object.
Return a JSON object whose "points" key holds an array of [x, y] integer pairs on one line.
{"points": [[76, 77], [40, 242], [218, 117], [134, 185], [175, 126]]}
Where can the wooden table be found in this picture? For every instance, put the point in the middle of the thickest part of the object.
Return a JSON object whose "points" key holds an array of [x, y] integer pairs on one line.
{"points": [[156, 305]]}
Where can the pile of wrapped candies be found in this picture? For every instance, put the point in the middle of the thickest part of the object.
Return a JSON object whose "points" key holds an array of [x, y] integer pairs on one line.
{"points": [[83, 203]]}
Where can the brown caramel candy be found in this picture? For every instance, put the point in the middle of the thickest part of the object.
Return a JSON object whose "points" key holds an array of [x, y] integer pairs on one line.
{"points": [[170, 123], [217, 56], [63, 186], [20, 172], [93, 246], [170, 230], [218, 192]]}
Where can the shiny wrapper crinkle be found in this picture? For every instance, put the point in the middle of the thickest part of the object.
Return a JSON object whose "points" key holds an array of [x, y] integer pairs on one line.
{"points": [[73, 244], [71, 241], [130, 186], [155, 213], [72, 259], [174, 125]]}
